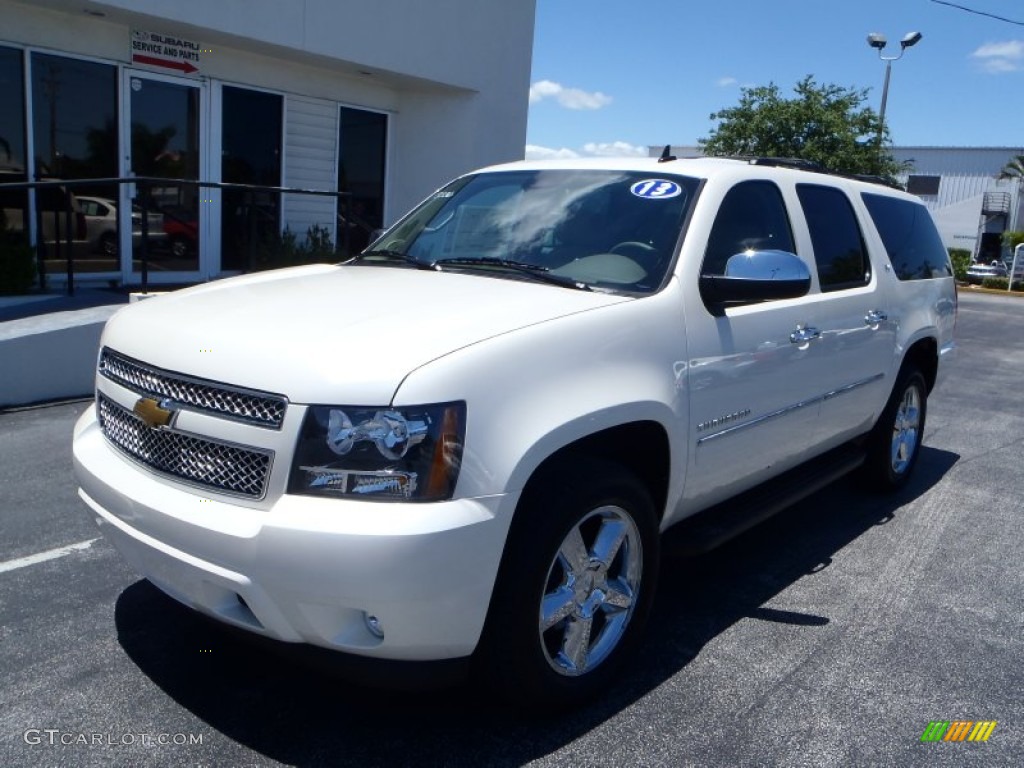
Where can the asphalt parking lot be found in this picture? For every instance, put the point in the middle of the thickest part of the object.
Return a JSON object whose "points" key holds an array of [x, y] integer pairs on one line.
{"points": [[831, 635]]}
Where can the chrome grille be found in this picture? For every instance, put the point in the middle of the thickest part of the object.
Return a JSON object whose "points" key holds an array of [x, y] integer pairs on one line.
{"points": [[259, 408], [198, 461]]}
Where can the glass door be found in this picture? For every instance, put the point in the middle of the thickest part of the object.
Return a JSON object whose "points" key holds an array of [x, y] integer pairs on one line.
{"points": [[166, 124]]}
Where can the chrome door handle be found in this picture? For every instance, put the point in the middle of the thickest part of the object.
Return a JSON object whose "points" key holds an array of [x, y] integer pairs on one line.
{"points": [[875, 317], [804, 335]]}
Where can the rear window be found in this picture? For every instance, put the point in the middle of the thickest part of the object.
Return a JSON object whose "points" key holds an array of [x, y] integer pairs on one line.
{"points": [[911, 240]]}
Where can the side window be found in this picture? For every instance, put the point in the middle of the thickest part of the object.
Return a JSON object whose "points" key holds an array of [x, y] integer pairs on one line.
{"points": [[911, 240], [752, 218], [838, 244]]}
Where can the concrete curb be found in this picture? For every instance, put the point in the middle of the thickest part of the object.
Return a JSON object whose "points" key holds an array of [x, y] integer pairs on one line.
{"points": [[50, 356]]}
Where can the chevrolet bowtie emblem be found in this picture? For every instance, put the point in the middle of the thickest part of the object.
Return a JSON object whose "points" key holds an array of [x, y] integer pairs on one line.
{"points": [[154, 413]]}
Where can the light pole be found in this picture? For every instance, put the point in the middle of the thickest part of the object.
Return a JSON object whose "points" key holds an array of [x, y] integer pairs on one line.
{"points": [[878, 41]]}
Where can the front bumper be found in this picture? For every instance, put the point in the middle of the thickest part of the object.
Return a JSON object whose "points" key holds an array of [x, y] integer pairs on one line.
{"points": [[305, 569]]}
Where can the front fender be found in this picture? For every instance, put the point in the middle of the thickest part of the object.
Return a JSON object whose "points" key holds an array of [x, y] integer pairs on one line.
{"points": [[533, 391]]}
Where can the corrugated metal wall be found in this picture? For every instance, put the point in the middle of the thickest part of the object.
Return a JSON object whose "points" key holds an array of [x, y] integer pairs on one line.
{"points": [[966, 172], [311, 162]]}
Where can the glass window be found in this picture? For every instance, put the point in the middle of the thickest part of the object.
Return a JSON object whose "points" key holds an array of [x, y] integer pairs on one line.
{"points": [[923, 185], [166, 144], [74, 113], [836, 237], [362, 145], [13, 205], [613, 229], [251, 154], [911, 240], [75, 118], [752, 217]]}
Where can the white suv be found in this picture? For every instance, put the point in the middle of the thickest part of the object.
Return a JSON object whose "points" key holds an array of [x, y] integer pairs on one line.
{"points": [[467, 442]]}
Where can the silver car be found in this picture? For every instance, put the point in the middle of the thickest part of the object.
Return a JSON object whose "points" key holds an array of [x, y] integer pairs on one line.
{"points": [[977, 273], [101, 225]]}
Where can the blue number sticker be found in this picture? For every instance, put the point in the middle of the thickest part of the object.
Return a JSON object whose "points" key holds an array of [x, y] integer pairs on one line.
{"points": [[656, 189]]}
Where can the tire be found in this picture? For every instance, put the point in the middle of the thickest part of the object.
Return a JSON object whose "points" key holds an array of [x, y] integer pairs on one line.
{"points": [[180, 247], [108, 244], [575, 586], [895, 442]]}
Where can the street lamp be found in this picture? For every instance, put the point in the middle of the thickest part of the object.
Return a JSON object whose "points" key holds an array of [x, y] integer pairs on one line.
{"points": [[878, 41]]}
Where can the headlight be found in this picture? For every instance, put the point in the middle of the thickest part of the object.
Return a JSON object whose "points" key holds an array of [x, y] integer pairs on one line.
{"points": [[410, 453]]}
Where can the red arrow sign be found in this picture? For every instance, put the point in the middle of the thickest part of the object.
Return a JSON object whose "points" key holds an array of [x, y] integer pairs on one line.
{"points": [[154, 61]]}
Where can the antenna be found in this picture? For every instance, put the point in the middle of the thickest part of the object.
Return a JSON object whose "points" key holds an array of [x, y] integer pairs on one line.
{"points": [[666, 155]]}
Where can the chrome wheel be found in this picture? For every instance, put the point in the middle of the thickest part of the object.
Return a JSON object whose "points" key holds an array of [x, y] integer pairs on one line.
{"points": [[591, 591], [906, 430]]}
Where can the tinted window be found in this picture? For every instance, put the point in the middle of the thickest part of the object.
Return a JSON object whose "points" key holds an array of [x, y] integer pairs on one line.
{"points": [[251, 154], [923, 185], [911, 240], [75, 135], [13, 204], [838, 245], [752, 218], [362, 149], [75, 118]]}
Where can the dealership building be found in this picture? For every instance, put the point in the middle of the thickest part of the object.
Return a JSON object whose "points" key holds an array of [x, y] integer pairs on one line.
{"points": [[970, 204], [381, 102]]}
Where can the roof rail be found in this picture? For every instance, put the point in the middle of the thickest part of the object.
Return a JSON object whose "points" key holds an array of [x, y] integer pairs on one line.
{"points": [[800, 164], [790, 162]]}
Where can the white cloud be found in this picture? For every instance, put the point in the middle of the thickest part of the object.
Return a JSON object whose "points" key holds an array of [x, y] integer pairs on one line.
{"points": [[614, 149], [725, 82], [1001, 57], [590, 149], [535, 152], [570, 98]]}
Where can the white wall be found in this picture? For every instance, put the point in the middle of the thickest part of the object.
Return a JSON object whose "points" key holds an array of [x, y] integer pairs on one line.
{"points": [[452, 74]]}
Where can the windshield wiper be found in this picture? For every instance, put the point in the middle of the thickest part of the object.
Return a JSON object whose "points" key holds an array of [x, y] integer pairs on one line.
{"points": [[535, 271], [394, 256]]}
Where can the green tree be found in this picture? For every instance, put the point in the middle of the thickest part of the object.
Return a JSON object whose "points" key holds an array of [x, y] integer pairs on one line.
{"points": [[1014, 169], [826, 124], [1012, 239]]}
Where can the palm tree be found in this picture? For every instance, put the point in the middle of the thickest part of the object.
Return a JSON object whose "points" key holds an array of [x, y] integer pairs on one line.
{"points": [[1015, 170]]}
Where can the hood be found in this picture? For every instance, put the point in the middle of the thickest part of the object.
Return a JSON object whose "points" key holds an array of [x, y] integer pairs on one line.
{"points": [[332, 334]]}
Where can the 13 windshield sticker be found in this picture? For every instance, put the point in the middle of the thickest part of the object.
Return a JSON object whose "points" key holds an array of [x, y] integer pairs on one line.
{"points": [[656, 189]]}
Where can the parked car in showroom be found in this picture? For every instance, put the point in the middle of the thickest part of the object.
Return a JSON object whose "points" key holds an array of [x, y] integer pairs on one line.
{"points": [[181, 227], [55, 206], [462, 449], [978, 273], [101, 225]]}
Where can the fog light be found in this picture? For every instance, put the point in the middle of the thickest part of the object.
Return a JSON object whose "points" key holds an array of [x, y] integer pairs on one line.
{"points": [[373, 624]]}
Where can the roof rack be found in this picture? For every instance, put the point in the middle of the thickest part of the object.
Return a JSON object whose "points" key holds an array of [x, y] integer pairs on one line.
{"points": [[790, 162], [800, 164]]}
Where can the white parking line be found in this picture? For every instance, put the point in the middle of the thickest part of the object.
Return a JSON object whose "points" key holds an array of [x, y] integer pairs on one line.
{"points": [[42, 557]]}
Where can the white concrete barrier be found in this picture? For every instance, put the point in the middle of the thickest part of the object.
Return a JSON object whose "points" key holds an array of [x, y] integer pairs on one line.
{"points": [[50, 357]]}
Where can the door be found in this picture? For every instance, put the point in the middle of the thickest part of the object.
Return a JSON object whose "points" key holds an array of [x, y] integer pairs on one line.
{"points": [[753, 374], [167, 124], [858, 338]]}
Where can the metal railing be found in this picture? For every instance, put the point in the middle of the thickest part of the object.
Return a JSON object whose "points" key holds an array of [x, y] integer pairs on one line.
{"points": [[995, 204], [143, 200]]}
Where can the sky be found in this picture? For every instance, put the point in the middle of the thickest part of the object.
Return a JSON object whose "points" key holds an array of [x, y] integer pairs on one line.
{"points": [[611, 77]]}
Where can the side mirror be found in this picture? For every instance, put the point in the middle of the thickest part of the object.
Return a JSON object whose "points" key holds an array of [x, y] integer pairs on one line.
{"points": [[756, 276]]}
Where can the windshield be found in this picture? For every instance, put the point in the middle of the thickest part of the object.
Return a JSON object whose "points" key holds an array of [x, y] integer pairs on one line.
{"points": [[610, 229]]}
